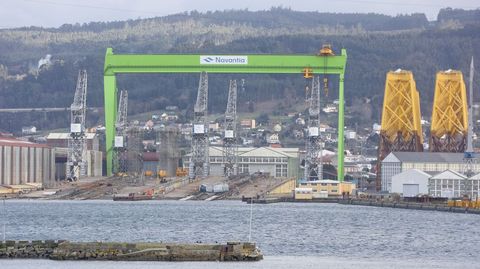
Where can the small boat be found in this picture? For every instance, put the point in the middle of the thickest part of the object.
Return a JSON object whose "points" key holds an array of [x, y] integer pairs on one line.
{"points": [[131, 197]]}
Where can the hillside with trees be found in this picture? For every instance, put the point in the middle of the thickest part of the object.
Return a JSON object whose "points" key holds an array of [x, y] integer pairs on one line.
{"points": [[375, 44]]}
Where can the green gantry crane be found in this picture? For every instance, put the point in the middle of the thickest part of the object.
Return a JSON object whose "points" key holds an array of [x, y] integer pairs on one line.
{"points": [[211, 63]]}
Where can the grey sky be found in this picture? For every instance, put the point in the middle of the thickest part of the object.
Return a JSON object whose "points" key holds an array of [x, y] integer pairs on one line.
{"points": [[53, 13]]}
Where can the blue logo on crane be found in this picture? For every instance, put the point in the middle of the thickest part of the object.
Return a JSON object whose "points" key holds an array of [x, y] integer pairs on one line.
{"points": [[209, 59]]}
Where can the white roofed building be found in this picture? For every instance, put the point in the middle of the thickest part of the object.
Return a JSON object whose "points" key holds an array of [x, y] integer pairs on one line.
{"points": [[448, 184], [278, 162], [430, 162], [473, 187]]}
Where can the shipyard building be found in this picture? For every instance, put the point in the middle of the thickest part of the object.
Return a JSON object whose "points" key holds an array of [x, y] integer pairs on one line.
{"points": [[26, 163], [429, 162], [278, 162], [93, 157], [429, 173]]}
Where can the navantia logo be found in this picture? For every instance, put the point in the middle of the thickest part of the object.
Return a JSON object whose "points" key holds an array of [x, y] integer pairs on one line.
{"points": [[223, 59]]}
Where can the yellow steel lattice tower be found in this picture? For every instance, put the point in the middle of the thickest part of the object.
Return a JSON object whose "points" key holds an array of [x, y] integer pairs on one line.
{"points": [[401, 128], [448, 132]]}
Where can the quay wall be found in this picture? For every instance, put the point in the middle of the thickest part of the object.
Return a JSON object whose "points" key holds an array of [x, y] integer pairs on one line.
{"points": [[65, 250]]}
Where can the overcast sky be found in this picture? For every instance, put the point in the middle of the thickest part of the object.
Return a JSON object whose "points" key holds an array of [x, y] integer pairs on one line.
{"points": [[53, 13]]}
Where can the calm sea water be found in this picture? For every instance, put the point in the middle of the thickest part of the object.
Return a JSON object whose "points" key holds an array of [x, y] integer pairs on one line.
{"points": [[291, 235]]}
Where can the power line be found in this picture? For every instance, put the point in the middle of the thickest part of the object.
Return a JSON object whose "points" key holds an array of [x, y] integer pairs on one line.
{"points": [[92, 7], [156, 12]]}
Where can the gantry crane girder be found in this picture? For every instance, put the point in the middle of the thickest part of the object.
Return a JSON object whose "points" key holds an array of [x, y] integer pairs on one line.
{"points": [[230, 146], [199, 162], [401, 128], [449, 126]]}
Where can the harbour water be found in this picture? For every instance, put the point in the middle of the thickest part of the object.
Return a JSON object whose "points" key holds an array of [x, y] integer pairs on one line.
{"points": [[291, 235]]}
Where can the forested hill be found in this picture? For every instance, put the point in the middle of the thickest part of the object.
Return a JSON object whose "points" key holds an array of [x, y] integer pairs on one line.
{"points": [[273, 18], [375, 45]]}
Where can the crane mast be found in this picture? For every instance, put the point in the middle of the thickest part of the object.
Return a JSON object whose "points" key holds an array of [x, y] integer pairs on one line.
{"points": [[121, 124], [230, 146], [313, 146], [77, 150], [199, 163], [469, 157], [120, 149]]}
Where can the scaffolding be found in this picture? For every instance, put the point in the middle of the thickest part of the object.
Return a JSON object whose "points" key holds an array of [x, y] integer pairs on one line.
{"points": [[135, 151], [167, 149]]}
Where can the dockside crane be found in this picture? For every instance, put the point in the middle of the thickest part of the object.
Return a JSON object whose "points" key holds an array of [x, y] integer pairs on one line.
{"points": [[469, 157], [230, 146], [120, 148], [313, 143], [199, 163], [77, 150]]}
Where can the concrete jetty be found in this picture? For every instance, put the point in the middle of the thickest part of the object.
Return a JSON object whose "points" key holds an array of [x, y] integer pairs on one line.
{"points": [[65, 250], [416, 206]]}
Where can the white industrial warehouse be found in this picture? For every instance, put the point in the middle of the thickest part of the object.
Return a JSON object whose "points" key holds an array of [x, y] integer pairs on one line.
{"points": [[410, 183]]}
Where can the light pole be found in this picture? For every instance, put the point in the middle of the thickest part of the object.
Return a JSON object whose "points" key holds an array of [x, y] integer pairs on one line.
{"points": [[251, 215], [4, 218]]}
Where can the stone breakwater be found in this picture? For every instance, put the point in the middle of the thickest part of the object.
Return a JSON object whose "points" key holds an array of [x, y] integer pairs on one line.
{"points": [[65, 250]]}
